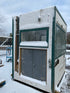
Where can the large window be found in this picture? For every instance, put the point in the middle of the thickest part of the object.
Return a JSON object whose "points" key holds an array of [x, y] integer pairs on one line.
{"points": [[60, 42], [34, 35], [33, 63]]}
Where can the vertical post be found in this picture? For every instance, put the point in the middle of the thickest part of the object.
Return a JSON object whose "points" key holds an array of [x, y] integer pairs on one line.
{"points": [[53, 54], [6, 54], [20, 61], [13, 48], [16, 42]]}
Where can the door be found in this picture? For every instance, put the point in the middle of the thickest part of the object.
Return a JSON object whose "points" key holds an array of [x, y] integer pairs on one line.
{"points": [[33, 63]]}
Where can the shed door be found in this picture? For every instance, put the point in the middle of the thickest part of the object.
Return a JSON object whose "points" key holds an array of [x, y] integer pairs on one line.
{"points": [[34, 63]]}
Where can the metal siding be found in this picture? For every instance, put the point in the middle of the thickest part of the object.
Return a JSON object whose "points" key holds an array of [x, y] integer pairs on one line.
{"points": [[30, 20], [60, 20]]}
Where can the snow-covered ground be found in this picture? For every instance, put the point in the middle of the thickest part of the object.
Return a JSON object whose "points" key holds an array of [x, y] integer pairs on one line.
{"points": [[12, 86], [67, 60], [65, 86], [2, 52]]}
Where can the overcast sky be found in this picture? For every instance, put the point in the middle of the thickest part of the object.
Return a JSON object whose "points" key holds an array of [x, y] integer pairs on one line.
{"points": [[10, 8]]}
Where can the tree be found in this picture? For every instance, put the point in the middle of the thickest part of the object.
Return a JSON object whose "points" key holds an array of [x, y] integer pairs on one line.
{"points": [[2, 29], [68, 37]]}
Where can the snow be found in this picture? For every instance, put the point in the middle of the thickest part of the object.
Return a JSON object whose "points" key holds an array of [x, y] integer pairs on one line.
{"points": [[35, 43], [68, 45], [16, 87], [67, 60], [12, 86], [6, 70], [1, 80], [67, 50], [34, 80], [63, 80], [2, 52], [65, 84]]}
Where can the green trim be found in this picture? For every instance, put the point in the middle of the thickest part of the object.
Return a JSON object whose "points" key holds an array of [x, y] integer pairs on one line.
{"points": [[20, 36], [53, 48], [47, 39], [33, 46], [36, 29], [60, 28], [17, 33], [53, 53], [60, 15], [43, 28], [60, 55], [13, 48], [65, 41]]}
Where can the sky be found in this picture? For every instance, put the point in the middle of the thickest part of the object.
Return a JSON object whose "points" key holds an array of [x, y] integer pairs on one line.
{"points": [[10, 8]]}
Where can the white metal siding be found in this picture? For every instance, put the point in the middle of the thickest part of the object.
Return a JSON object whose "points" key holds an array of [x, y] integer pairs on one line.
{"points": [[60, 21], [59, 69]]}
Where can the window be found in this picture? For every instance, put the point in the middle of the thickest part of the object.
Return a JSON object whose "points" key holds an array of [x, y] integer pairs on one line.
{"points": [[38, 35], [33, 63], [60, 42]]}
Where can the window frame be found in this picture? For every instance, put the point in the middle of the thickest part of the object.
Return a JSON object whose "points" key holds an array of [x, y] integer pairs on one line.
{"points": [[61, 29], [36, 29]]}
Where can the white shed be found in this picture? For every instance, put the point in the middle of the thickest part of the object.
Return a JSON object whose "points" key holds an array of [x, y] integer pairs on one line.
{"points": [[39, 45]]}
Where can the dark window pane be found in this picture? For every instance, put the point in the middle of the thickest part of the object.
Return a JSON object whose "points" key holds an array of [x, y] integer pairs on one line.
{"points": [[60, 42], [33, 63], [39, 35]]}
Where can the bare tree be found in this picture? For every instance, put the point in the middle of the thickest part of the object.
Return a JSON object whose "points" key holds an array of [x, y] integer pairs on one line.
{"points": [[2, 29], [68, 37]]}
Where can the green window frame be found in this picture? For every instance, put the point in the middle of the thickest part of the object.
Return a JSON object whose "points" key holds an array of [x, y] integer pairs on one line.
{"points": [[64, 42], [36, 29]]}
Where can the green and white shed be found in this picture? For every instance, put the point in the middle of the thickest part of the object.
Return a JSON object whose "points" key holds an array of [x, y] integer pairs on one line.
{"points": [[39, 46]]}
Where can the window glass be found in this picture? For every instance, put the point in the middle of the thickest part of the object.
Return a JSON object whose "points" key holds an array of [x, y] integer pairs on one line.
{"points": [[60, 42], [38, 35]]}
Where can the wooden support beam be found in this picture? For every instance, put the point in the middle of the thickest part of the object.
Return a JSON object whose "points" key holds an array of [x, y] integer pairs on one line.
{"points": [[20, 61], [56, 91]]}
